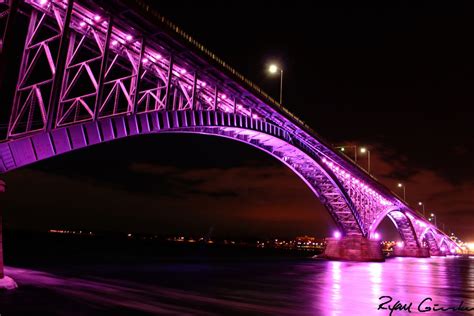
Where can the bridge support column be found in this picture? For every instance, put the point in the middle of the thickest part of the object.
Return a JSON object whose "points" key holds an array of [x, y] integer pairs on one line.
{"points": [[416, 252], [6, 283], [353, 248], [437, 253]]}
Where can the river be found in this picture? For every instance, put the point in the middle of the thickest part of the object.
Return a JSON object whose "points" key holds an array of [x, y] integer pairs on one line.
{"points": [[240, 284]]}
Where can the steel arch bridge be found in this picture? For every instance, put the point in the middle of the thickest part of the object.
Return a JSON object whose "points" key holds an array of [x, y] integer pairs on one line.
{"points": [[76, 73]]}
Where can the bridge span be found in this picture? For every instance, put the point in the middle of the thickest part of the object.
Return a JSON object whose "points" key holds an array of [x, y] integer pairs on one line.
{"points": [[75, 73]]}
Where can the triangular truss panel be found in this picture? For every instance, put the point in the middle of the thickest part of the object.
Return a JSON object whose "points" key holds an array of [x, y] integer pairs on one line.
{"points": [[37, 71], [81, 79], [120, 77]]}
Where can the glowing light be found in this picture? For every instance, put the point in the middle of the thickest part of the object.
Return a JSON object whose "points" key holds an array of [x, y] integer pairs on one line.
{"points": [[97, 18], [128, 37], [43, 2], [443, 249], [114, 42], [158, 56], [82, 24], [363, 150], [145, 60], [342, 148], [400, 244], [273, 69], [432, 215], [400, 185], [223, 96], [182, 71], [419, 203], [255, 116], [377, 236], [337, 234], [469, 245]]}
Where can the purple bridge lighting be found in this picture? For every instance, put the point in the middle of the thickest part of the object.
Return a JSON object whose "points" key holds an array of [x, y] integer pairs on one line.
{"points": [[78, 73]]}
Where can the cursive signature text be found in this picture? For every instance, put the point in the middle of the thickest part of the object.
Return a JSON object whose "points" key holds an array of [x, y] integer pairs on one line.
{"points": [[424, 306]]}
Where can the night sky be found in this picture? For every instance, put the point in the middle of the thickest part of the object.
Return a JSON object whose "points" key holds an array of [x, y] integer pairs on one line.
{"points": [[396, 79]]}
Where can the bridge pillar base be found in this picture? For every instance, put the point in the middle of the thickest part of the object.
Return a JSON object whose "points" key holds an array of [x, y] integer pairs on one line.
{"points": [[415, 252], [7, 283], [353, 248], [437, 253]]}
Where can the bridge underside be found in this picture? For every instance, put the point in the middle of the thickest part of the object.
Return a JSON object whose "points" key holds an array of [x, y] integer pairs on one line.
{"points": [[258, 133]]}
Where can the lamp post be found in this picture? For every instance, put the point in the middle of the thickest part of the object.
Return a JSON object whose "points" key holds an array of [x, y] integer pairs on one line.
{"points": [[354, 147], [273, 69], [423, 206], [400, 185], [433, 216], [364, 150]]}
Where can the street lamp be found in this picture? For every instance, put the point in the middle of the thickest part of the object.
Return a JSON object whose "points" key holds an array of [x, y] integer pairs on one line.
{"points": [[422, 205], [354, 147], [273, 69], [432, 216], [364, 150], [400, 185]]}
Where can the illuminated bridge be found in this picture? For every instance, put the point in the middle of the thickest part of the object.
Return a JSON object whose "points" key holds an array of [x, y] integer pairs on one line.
{"points": [[78, 73]]}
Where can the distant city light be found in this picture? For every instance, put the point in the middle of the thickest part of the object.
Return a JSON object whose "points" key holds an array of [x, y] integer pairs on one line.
{"points": [[363, 150], [400, 185]]}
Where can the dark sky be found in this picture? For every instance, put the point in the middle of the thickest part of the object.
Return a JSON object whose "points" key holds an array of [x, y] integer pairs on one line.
{"points": [[397, 79]]}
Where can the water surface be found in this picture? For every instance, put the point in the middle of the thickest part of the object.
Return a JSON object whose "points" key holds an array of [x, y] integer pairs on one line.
{"points": [[253, 285]]}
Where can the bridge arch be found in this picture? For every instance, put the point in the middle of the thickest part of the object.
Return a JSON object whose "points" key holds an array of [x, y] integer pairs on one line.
{"points": [[402, 223], [445, 245], [255, 132], [428, 239]]}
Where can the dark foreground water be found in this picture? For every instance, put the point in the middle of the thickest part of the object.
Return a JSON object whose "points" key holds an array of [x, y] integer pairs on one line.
{"points": [[68, 279]]}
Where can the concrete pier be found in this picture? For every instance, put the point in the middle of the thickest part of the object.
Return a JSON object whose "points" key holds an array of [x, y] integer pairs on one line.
{"points": [[437, 253], [6, 283], [408, 251], [353, 248]]}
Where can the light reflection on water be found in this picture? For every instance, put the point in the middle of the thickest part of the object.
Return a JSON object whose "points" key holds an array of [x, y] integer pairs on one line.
{"points": [[271, 287]]}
